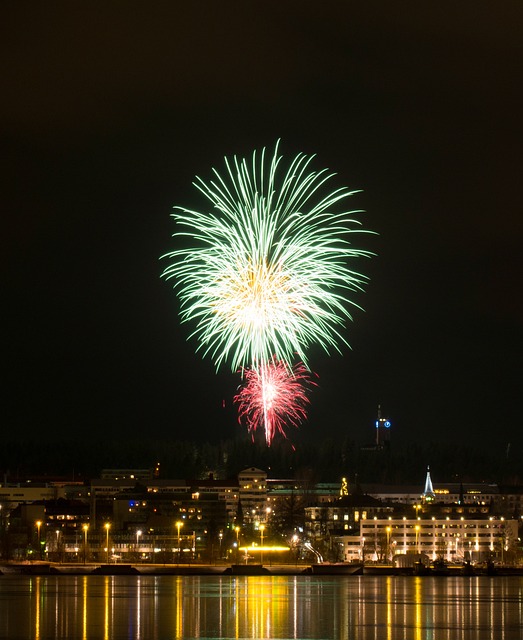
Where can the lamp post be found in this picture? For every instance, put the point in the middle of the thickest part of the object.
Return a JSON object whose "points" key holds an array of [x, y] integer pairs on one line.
{"points": [[179, 525], [417, 538], [85, 527], [38, 525], [220, 536], [237, 529], [388, 545], [58, 544], [262, 529], [138, 534], [295, 541], [107, 526]]}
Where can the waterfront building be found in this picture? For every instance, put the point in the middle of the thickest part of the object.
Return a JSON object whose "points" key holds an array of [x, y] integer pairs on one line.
{"points": [[455, 540], [213, 509], [200, 516], [343, 516], [253, 495]]}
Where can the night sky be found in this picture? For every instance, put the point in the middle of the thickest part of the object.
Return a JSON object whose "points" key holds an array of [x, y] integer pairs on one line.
{"points": [[110, 109]]}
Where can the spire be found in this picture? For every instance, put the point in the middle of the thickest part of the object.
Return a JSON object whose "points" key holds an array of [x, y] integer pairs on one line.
{"points": [[428, 492]]}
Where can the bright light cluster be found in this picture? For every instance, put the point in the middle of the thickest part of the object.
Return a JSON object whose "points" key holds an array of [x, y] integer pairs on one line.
{"points": [[266, 275]]}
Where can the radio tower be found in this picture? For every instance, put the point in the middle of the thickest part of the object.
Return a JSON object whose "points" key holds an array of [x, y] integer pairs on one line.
{"points": [[382, 431]]}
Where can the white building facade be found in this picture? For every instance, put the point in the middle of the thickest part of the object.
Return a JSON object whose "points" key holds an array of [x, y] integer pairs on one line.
{"points": [[453, 540]]}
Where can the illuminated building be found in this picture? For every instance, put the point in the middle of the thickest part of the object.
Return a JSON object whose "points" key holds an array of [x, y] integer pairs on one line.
{"points": [[15, 494], [313, 492], [228, 492], [343, 516], [253, 494], [456, 522], [263, 501], [452, 539]]}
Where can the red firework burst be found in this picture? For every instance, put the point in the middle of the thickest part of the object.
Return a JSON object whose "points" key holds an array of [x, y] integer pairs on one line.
{"points": [[274, 396]]}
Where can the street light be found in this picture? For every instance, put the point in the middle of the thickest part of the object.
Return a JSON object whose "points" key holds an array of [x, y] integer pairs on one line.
{"points": [[388, 543], [262, 529], [295, 541], [237, 529], [85, 527], [138, 534], [179, 525], [38, 525], [107, 526], [58, 544], [220, 535]]}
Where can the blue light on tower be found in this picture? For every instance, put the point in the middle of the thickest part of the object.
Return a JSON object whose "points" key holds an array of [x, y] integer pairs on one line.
{"points": [[383, 426]]}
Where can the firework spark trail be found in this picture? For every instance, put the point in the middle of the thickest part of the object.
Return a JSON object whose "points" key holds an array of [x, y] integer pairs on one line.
{"points": [[274, 397], [267, 274]]}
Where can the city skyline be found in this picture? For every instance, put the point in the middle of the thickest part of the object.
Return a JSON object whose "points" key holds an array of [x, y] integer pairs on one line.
{"points": [[106, 121]]}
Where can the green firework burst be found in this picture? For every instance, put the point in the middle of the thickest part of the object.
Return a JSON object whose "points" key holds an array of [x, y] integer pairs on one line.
{"points": [[268, 271]]}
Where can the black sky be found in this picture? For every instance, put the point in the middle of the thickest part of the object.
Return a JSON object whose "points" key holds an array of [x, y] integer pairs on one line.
{"points": [[110, 109]]}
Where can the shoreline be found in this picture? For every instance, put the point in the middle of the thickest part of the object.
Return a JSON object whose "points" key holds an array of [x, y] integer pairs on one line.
{"points": [[317, 570]]}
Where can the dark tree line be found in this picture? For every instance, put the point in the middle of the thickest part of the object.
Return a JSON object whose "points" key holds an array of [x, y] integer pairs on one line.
{"points": [[326, 460]]}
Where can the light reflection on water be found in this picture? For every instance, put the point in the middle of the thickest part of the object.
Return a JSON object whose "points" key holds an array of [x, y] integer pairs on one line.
{"points": [[272, 607]]}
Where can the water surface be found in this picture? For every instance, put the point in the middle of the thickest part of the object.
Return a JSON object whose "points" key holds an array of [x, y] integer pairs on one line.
{"points": [[271, 607]]}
